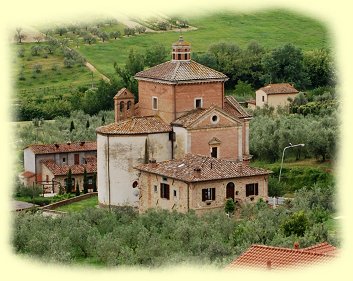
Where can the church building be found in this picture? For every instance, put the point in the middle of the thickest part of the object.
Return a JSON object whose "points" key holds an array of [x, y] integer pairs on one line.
{"points": [[184, 145]]}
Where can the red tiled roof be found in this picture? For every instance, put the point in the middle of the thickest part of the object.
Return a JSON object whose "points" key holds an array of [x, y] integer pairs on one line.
{"points": [[279, 258], [211, 169], [124, 93], [57, 170], [28, 174], [189, 118], [63, 147], [232, 107], [280, 88], [179, 71], [181, 42], [136, 125], [322, 248]]}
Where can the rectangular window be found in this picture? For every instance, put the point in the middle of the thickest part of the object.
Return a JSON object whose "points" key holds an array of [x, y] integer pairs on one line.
{"points": [[214, 152], [90, 180], [263, 98], [198, 103], [208, 194], [252, 189], [76, 159], [64, 160], [154, 103], [155, 189], [175, 193], [165, 191]]}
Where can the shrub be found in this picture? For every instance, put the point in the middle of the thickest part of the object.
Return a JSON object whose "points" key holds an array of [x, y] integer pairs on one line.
{"points": [[28, 191], [37, 68], [229, 207]]}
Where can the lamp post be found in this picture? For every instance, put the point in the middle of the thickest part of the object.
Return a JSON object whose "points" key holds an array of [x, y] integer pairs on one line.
{"points": [[290, 146]]}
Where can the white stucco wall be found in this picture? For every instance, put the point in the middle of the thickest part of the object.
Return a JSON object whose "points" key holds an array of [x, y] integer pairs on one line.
{"points": [[181, 142], [115, 172], [29, 160], [259, 95]]}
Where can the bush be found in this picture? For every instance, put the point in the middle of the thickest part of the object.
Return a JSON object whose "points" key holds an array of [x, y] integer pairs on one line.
{"points": [[28, 191], [37, 68]]}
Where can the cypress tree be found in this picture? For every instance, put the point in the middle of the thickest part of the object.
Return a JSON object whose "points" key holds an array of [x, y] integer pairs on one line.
{"points": [[77, 192], [103, 120], [72, 126], [85, 182], [87, 124], [94, 182], [69, 182]]}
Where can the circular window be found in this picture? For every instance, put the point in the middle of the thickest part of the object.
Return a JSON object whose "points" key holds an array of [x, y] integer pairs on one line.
{"points": [[214, 119], [134, 184]]}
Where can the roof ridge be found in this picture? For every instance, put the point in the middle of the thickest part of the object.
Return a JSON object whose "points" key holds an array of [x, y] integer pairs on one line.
{"points": [[175, 70], [291, 250]]}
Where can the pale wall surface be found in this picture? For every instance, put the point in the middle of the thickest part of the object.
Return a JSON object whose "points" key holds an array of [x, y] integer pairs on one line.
{"points": [[125, 152]]}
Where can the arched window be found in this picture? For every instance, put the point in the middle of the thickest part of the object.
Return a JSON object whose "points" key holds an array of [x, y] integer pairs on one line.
{"points": [[128, 106], [121, 106]]}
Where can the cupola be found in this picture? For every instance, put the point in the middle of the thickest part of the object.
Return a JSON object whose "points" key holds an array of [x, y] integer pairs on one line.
{"points": [[181, 50]]}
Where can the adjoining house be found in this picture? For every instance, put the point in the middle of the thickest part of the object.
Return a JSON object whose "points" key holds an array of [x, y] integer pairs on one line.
{"points": [[270, 257], [200, 183], [182, 111], [48, 164], [275, 95]]}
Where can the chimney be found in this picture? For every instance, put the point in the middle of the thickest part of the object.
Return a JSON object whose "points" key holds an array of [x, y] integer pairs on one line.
{"points": [[197, 172], [56, 145], [68, 143], [82, 143], [153, 163], [269, 265], [296, 245]]}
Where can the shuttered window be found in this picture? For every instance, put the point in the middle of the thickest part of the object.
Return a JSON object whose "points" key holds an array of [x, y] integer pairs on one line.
{"points": [[252, 189], [165, 191], [208, 194]]}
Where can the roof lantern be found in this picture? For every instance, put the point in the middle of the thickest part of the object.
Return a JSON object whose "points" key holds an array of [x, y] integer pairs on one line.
{"points": [[181, 50]]}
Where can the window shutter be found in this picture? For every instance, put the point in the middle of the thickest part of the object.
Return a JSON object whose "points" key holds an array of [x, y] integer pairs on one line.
{"points": [[256, 189], [166, 191], [213, 193], [204, 194]]}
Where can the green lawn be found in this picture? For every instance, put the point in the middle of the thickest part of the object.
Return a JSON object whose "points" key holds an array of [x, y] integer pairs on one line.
{"points": [[79, 206], [271, 29]]}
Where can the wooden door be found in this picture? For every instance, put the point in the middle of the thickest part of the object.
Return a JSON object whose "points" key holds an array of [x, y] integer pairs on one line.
{"points": [[230, 190]]}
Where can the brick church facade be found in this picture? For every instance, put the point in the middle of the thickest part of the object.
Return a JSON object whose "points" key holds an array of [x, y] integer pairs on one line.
{"points": [[184, 145]]}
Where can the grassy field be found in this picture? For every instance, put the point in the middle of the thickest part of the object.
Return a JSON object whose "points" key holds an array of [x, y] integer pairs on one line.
{"points": [[271, 29], [79, 206], [52, 74]]}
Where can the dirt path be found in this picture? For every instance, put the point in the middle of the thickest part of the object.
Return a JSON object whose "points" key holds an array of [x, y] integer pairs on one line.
{"points": [[93, 69]]}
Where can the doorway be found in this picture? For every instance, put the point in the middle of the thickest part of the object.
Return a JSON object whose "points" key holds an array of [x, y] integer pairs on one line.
{"points": [[230, 190]]}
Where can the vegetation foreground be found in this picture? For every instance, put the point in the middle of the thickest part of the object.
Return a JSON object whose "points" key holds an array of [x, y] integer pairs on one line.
{"points": [[122, 237]]}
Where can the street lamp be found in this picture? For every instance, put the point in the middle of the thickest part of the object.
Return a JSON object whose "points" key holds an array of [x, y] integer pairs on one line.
{"points": [[290, 146]]}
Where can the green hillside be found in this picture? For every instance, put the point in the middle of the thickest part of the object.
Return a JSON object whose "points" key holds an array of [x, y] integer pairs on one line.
{"points": [[271, 29]]}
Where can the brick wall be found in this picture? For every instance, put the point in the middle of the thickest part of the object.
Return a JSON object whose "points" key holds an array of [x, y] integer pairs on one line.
{"points": [[228, 149], [211, 94]]}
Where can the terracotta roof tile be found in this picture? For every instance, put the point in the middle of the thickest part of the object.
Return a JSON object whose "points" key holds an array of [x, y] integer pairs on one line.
{"points": [[136, 125], [178, 71], [61, 170], [280, 258], [232, 107], [28, 174], [123, 93], [211, 169], [63, 147], [280, 88], [187, 119], [322, 248]]}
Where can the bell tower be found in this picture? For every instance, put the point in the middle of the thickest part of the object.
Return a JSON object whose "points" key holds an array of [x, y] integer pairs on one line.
{"points": [[124, 104], [181, 50]]}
